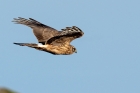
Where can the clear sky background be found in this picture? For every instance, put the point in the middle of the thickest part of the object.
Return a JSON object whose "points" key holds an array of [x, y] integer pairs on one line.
{"points": [[108, 58]]}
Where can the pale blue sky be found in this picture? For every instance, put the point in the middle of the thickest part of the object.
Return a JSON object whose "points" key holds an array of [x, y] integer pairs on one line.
{"points": [[108, 58]]}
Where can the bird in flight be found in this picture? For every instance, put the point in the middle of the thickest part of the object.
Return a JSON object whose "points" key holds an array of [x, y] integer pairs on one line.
{"points": [[52, 41]]}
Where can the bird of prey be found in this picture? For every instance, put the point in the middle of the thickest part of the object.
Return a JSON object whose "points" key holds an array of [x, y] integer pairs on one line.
{"points": [[52, 41]]}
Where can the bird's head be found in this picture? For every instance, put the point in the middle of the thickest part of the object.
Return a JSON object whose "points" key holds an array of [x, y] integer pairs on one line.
{"points": [[74, 49]]}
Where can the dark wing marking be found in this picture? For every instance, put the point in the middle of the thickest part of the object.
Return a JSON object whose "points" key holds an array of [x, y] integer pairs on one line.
{"points": [[66, 36], [41, 31]]}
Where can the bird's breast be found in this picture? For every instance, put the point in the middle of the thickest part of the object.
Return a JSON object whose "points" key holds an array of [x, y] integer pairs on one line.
{"points": [[59, 49]]}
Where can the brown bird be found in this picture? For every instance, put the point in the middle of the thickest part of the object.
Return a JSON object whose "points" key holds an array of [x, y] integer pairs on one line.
{"points": [[52, 41]]}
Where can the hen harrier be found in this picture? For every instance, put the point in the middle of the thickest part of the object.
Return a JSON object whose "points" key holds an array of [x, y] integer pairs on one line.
{"points": [[52, 41]]}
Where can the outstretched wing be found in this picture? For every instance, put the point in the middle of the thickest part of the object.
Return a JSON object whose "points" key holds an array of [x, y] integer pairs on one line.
{"points": [[41, 31], [66, 36]]}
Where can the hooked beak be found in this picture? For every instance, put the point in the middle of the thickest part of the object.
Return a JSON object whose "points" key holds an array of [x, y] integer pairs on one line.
{"points": [[75, 51]]}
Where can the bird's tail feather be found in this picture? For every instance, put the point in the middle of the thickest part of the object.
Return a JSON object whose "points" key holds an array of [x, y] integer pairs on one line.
{"points": [[27, 44]]}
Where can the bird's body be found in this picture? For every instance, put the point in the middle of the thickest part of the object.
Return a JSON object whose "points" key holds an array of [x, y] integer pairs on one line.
{"points": [[53, 41], [53, 49]]}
